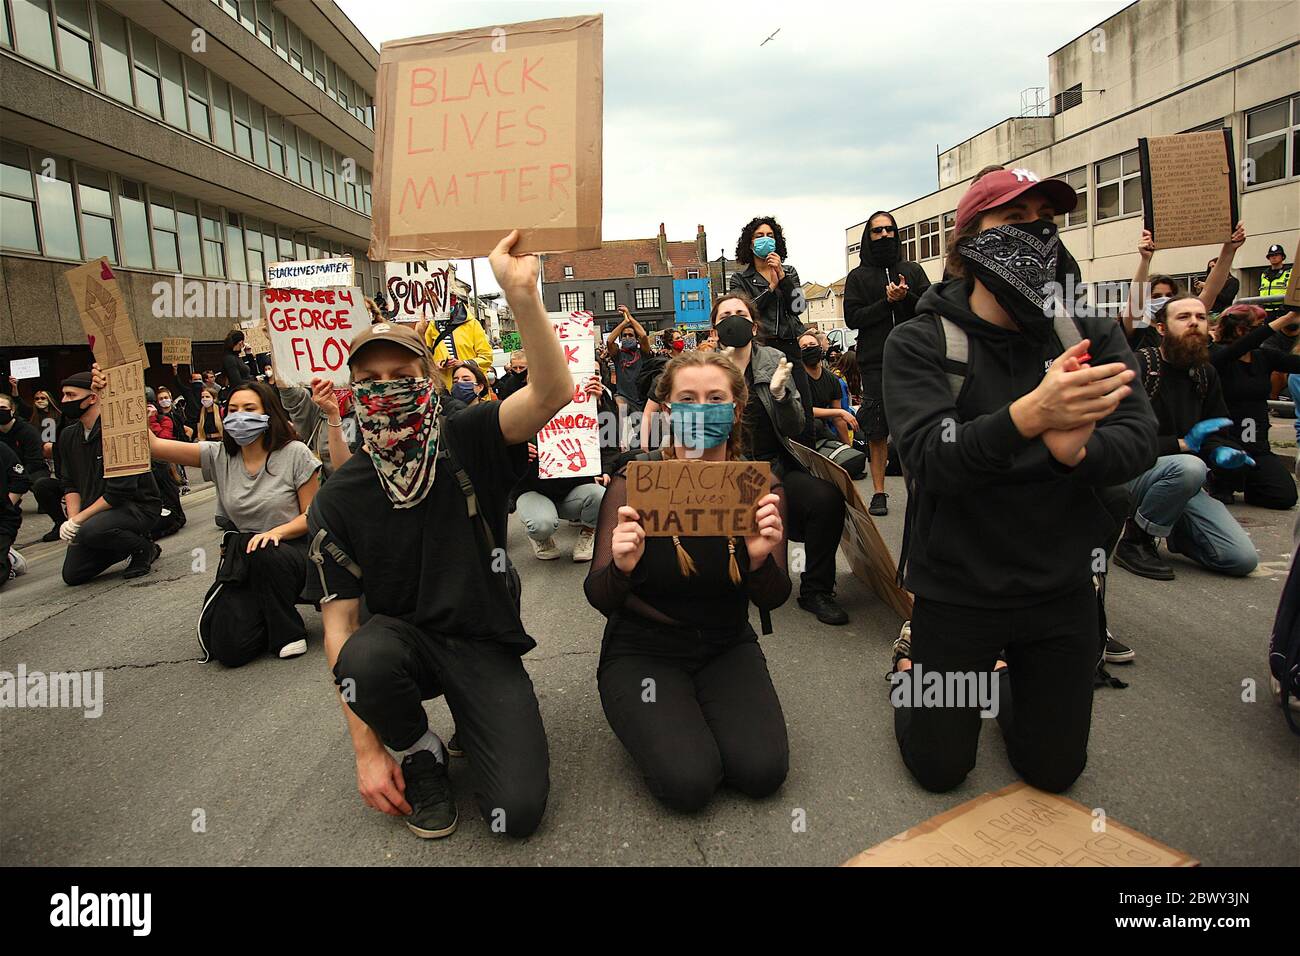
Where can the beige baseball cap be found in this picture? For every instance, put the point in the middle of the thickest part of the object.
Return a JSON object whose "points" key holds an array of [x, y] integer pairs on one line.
{"points": [[402, 335]]}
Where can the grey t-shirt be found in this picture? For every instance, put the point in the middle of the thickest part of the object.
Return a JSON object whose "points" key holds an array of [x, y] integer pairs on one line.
{"points": [[258, 502]]}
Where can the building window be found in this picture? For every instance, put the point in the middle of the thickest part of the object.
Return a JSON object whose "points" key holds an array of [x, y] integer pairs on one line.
{"points": [[135, 225], [98, 233], [221, 120], [1068, 99], [611, 302], [114, 58], [264, 21], [254, 246], [17, 200], [572, 302], [692, 273], [32, 30], [166, 237], [196, 88], [187, 225], [74, 41], [643, 268], [907, 239], [1077, 178], [214, 246], [173, 86], [1273, 141], [58, 214], [856, 247], [148, 78], [929, 238], [647, 299], [1119, 186], [6, 37], [568, 272]]}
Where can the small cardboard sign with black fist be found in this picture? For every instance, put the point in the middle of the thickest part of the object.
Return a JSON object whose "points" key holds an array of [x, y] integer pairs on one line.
{"points": [[697, 499]]}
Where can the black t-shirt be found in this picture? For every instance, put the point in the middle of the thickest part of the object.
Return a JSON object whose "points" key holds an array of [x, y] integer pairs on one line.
{"points": [[429, 564], [825, 390]]}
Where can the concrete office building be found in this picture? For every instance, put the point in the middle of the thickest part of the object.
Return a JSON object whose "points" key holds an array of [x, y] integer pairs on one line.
{"points": [[207, 138], [1156, 68]]}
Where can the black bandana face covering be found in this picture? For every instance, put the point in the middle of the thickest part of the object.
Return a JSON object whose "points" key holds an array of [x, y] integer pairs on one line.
{"points": [[1017, 263], [885, 251]]}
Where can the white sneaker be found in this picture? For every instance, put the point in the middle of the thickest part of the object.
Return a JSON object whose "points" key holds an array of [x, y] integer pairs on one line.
{"points": [[545, 550], [294, 649], [585, 546], [17, 563]]}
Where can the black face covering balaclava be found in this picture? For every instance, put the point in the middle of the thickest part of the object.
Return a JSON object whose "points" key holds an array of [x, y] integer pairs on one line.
{"points": [[1017, 262], [882, 251]]}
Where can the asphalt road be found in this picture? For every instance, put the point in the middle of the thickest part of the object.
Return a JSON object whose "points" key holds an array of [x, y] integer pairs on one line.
{"points": [[260, 754]]}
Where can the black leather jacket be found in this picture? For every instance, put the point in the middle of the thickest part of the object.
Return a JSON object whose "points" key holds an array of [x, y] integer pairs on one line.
{"points": [[777, 316]]}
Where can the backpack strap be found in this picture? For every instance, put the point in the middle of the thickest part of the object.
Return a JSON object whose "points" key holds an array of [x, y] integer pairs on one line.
{"points": [[956, 353], [320, 546]]}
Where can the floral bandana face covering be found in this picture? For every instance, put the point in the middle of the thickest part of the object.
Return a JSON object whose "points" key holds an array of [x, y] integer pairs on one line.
{"points": [[399, 422]]}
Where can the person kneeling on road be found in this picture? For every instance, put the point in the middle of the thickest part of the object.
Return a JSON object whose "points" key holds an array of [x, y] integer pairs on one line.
{"points": [[265, 480], [109, 519], [413, 524]]}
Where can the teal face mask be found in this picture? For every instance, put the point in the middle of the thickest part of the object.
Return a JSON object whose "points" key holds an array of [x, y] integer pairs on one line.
{"points": [[764, 246], [702, 426]]}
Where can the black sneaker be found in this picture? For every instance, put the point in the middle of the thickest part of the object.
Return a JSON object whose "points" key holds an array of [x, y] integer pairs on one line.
{"points": [[428, 791], [879, 504], [142, 561], [1116, 652], [52, 534], [1136, 553], [452, 746], [825, 607]]}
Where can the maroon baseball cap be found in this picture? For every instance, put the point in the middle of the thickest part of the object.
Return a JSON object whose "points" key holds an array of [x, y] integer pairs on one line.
{"points": [[1003, 185]]}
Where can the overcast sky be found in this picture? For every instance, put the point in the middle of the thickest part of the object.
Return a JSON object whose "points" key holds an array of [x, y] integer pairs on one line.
{"points": [[837, 116]]}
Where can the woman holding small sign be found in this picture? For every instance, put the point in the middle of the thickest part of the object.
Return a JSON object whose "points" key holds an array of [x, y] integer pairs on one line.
{"points": [[682, 679]]}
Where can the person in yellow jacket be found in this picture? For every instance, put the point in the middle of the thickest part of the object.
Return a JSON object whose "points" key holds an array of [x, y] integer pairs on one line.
{"points": [[470, 343]]}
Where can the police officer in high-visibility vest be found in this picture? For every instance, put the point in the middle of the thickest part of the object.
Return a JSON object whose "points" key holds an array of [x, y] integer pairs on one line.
{"points": [[1275, 279]]}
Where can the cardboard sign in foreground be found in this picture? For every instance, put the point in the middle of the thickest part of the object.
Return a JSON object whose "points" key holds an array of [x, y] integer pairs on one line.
{"points": [[176, 351], [1020, 826], [486, 130], [697, 499], [103, 315], [867, 552], [1189, 188], [124, 421]]}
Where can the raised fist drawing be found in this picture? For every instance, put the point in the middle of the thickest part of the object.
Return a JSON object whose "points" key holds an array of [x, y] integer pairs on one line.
{"points": [[750, 483]]}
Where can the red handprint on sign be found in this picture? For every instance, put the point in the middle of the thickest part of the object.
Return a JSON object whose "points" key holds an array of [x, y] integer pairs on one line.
{"points": [[548, 466], [571, 448]]}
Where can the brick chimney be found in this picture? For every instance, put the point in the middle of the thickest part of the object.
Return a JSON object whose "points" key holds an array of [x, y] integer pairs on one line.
{"points": [[663, 249], [702, 247]]}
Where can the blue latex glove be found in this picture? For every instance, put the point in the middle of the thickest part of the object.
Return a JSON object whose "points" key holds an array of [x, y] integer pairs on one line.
{"points": [[1195, 438], [1229, 458]]}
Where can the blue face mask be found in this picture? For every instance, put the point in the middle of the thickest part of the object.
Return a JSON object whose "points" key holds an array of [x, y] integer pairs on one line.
{"points": [[246, 427], [465, 391], [702, 426], [764, 246]]}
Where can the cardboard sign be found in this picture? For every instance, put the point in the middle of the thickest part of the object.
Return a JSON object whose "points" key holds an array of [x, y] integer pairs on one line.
{"points": [[486, 130], [1292, 297], [1020, 826], [510, 342], [1189, 188], [311, 332], [419, 290], [103, 315], [177, 351], [124, 421], [25, 368], [255, 336], [568, 446], [312, 274], [867, 552], [696, 499]]}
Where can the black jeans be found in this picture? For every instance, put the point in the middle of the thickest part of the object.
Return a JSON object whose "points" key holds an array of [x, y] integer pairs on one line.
{"points": [[1051, 654], [247, 620], [49, 498], [7, 536], [105, 539], [815, 509], [1270, 484], [696, 719], [394, 666]]}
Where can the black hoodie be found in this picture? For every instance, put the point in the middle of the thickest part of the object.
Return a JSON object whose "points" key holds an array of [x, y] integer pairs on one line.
{"points": [[867, 307], [994, 520]]}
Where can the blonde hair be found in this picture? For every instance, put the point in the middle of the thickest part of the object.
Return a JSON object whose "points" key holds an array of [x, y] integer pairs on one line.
{"points": [[735, 441]]}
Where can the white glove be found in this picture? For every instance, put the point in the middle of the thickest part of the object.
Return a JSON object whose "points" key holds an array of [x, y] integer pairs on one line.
{"points": [[68, 530], [779, 379]]}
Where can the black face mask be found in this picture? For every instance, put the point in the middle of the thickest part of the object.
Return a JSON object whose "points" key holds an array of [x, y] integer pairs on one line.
{"points": [[812, 355], [6, 416], [735, 331], [885, 251], [72, 409], [1017, 263]]}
